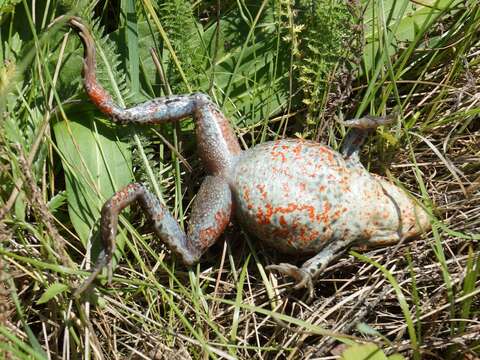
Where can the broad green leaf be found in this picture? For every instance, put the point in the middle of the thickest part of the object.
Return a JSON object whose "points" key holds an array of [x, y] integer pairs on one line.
{"points": [[367, 352], [96, 164], [130, 30], [259, 87], [52, 291], [149, 74], [20, 206], [396, 357]]}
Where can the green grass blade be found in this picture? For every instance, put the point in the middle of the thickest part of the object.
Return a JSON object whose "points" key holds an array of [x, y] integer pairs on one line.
{"points": [[401, 300], [130, 29]]}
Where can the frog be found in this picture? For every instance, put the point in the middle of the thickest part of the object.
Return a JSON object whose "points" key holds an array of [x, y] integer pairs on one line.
{"points": [[297, 196]]}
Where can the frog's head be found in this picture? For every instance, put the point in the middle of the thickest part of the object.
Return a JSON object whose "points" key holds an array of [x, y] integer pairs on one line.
{"points": [[411, 219]]}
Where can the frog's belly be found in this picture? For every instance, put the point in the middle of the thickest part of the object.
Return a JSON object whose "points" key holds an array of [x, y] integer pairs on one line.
{"points": [[297, 195]]}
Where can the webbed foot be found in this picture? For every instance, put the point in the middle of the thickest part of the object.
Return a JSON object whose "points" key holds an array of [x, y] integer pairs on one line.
{"points": [[302, 278], [369, 122]]}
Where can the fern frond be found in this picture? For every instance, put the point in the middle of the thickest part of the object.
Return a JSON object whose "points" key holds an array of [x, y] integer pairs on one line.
{"points": [[180, 25], [321, 36]]}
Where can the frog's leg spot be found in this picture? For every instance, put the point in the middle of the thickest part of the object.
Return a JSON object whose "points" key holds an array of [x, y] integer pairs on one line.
{"points": [[361, 128], [210, 216]]}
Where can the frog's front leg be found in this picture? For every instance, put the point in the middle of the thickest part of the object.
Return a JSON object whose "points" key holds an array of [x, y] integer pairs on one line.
{"points": [[210, 216], [313, 267], [361, 128]]}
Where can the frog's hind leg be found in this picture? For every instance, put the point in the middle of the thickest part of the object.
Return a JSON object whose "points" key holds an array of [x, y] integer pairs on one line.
{"points": [[210, 216], [313, 267], [217, 142], [361, 128]]}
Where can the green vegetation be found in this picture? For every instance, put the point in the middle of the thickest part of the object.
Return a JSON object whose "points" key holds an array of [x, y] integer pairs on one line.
{"points": [[277, 68]]}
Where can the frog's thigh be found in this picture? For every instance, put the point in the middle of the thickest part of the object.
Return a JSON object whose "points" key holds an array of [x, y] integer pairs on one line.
{"points": [[211, 213]]}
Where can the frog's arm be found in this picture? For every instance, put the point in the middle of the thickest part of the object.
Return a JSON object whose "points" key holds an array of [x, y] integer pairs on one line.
{"points": [[361, 128]]}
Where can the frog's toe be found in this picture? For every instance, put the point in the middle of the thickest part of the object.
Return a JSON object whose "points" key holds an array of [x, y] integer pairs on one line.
{"points": [[305, 282], [287, 269], [102, 261], [302, 278]]}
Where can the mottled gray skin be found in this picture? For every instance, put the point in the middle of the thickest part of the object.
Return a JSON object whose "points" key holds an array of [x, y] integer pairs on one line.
{"points": [[299, 197]]}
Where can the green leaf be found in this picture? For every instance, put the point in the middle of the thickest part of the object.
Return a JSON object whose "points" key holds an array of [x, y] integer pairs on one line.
{"points": [[8, 6], [401, 300], [392, 140], [367, 352], [110, 75], [57, 201], [130, 30], [259, 86], [255, 69], [147, 40], [52, 291], [238, 301], [471, 275], [366, 329], [396, 357], [96, 164]]}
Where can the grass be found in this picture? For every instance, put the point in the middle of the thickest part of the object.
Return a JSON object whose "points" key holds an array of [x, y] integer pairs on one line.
{"points": [[60, 160]]}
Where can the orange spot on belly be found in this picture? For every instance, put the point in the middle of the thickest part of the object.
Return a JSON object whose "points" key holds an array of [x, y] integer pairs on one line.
{"points": [[261, 188], [278, 154], [297, 150], [265, 218], [290, 208]]}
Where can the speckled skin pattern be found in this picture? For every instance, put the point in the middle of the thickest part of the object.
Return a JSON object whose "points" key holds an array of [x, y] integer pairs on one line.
{"points": [[299, 197]]}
